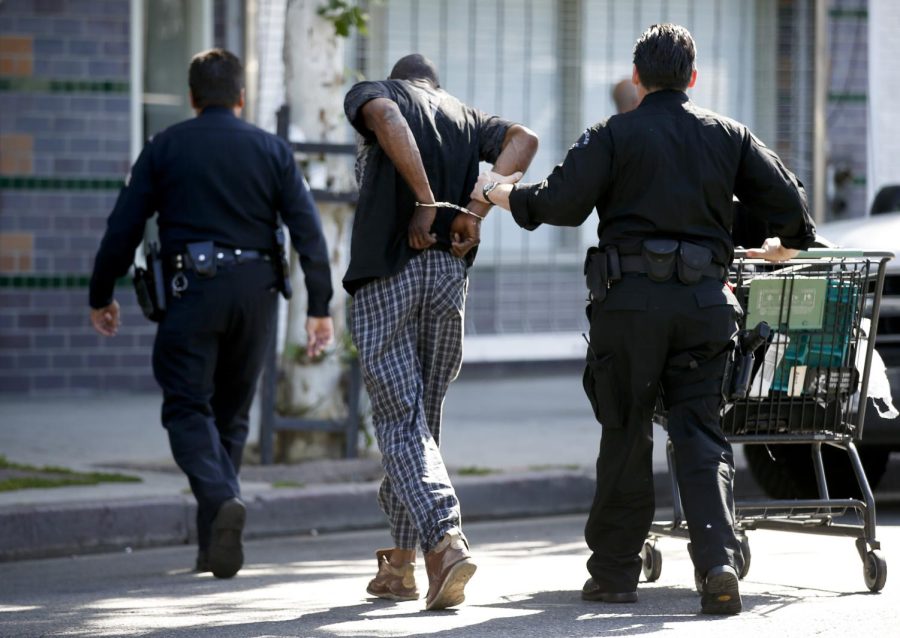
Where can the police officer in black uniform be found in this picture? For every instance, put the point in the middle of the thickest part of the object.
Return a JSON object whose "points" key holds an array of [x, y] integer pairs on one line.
{"points": [[218, 184], [662, 178]]}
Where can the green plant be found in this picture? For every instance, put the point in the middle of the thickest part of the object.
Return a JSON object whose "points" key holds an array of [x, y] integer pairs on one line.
{"points": [[474, 470], [20, 476], [344, 15]]}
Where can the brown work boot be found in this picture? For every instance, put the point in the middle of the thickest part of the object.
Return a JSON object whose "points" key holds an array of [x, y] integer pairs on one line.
{"points": [[395, 580], [449, 566]]}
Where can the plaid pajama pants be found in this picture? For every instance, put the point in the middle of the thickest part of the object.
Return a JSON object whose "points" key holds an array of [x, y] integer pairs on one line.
{"points": [[408, 329]]}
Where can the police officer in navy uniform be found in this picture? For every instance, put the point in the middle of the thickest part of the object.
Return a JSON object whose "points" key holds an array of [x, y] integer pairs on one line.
{"points": [[219, 185], [662, 178]]}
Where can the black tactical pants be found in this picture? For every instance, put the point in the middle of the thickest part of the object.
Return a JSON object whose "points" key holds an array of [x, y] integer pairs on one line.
{"points": [[209, 350], [646, 336]]}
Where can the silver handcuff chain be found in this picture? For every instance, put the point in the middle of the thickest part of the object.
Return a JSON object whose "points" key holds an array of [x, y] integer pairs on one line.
{"points": [[453, 206]]}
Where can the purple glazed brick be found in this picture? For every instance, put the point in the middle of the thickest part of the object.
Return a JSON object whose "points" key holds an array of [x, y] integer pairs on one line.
{"points": [[105, 27], [84, 340], [34, 320], [33, 361], [49, 341], [64, 124], [109, 68], [49, 144], [14, 383], [50, 6], [68, 222], [13, 341], [115, 104], [85, 382], [14, 299], [84, 145], [68, 361], [120, 48], [49, 381], [46, 47], [69, 320], [69, 166], [67, 26], [84, 47], [33, 25]]}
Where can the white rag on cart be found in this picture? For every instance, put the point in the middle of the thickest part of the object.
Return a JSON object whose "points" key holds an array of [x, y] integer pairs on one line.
{"points": [[879, 386]]}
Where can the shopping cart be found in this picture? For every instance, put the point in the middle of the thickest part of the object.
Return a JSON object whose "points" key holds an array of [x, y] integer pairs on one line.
{"points": [[814, 320]]}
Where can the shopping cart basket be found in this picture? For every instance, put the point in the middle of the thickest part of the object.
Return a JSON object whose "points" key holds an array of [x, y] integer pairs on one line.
{"points": [[807, 383]]}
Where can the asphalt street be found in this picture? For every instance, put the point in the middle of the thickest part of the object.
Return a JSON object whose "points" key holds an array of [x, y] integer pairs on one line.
{"points": [[526, 585]]}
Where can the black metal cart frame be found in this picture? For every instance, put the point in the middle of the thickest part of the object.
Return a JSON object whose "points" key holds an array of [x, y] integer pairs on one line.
{"points": [[810, 386]]}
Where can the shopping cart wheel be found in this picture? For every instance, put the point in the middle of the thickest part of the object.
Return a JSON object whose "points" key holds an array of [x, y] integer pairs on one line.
{"points": [[652, 559], [874, 570], [745, 551]]}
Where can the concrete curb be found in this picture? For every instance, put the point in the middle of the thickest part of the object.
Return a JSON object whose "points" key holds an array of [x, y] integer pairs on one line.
{"points": [[43, 531]]}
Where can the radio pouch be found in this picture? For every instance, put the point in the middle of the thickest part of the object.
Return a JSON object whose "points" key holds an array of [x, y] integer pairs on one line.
{"points": [[203, 258], [692, 260], [659, 258], [595, 273]]}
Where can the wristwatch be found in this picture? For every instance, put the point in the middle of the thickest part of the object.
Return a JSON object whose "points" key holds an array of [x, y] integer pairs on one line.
{"points": [[486, 191]]}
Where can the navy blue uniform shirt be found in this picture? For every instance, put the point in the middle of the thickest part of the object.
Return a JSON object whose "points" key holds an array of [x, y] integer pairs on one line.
{"points": [[668, 169], [214, 177]]}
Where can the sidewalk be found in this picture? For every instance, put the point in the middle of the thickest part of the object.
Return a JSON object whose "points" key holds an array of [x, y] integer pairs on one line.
{"points": [[516, 445]]}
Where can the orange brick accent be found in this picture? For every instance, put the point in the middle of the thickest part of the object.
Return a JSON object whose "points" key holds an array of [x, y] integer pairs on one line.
{"points": [[16, 252], [16, 44], [16, 55], [16, 154]]}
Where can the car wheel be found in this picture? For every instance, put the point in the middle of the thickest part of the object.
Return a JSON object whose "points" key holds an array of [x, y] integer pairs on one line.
{"points": [[786, 471]]}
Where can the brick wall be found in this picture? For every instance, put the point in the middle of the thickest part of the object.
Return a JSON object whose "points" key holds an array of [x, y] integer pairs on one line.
{"points": [[64, 148]]}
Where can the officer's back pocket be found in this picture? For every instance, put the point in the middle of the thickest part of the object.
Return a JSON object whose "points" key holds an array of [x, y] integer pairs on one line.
{"points": [[601, 387]]}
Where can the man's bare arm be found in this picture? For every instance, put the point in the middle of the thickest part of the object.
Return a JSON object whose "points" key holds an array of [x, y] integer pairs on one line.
{"points": [[383, 117], [518, 149]]}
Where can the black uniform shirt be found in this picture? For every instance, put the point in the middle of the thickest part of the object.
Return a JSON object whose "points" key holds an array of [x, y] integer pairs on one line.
{"points": [[668, 169], [452, 139], [214, 177]]}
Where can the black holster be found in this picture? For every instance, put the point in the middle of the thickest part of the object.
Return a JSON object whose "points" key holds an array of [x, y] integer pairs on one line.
{"points": [[149, 285], [283, 264]]}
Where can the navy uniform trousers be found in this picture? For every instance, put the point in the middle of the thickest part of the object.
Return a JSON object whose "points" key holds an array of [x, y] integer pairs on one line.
{"points": [[208, 353], [647, 337]]}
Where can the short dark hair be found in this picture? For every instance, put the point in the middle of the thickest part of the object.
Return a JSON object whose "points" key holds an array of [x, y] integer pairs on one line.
{"points": [[216, 78], [415, 67], [664, 57]]}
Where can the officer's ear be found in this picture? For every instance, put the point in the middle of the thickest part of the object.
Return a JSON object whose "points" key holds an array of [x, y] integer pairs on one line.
{"points": [[693, 79], [193, 101], [240, 103]]}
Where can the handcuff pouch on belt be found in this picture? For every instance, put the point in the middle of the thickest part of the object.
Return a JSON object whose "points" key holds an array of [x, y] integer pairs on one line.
{"points": [[203, 258], [148, 285], [692, 260], [660, 256]]}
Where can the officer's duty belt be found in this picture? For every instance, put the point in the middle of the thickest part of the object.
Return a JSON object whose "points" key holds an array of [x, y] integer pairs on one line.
{"points": [[637, 265], [184, 261]]}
